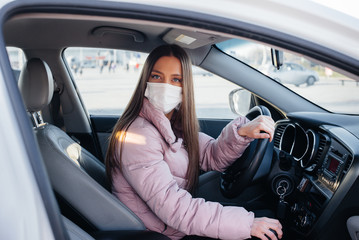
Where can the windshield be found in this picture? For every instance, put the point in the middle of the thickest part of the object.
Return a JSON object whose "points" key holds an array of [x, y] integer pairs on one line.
{"points": [[319, 84]]}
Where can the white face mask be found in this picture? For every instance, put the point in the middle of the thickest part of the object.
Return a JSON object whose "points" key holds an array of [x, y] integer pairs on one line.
{"points": [[163, 96]]}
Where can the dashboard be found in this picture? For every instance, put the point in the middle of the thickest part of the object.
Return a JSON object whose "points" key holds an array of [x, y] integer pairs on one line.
{"points": [[315, 173], [319, 154]]}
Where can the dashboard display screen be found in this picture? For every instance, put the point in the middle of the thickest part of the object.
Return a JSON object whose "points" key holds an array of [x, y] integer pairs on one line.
{"points": [[333, 165]]}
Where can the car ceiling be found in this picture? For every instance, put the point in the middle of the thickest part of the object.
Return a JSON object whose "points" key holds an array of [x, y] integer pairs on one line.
{"points": [[58, 31], [52, 26]]}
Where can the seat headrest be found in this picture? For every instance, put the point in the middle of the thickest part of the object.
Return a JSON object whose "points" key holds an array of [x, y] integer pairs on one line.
{"points": [[36, 84]]}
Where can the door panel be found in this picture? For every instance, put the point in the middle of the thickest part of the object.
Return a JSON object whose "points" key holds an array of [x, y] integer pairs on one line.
{"points": [[213, 127]]}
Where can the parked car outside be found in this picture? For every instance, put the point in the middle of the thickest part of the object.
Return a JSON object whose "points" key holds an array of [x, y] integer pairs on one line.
{"points": [[292, 73]]}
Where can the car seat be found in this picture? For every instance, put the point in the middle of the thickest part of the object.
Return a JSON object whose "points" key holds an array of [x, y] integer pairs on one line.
{"points": [[76, 176]]}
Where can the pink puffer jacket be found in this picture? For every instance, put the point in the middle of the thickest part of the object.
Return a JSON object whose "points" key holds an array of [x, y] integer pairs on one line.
{"points": [[151, 184]]}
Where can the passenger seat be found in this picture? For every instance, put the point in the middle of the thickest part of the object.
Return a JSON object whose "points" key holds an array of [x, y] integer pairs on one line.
{"points": [[76, 175]]}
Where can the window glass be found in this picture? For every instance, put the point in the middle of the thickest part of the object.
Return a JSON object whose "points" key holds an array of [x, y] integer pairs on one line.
{"points": [[17, 60], [315, 82], [106, 79], [212, 95]]}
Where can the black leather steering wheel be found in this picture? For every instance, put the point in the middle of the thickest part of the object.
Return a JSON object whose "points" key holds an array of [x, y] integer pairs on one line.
{"points": [[241, 173]]}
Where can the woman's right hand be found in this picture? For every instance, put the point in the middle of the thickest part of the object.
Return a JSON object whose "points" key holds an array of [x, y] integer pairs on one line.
{"points": [[260, 127], [261, 228]]}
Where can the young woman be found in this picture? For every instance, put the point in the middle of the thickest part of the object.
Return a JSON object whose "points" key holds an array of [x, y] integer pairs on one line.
{"points": [[156, 151]]}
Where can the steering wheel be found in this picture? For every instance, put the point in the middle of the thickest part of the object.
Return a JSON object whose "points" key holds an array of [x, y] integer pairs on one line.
{"points": [[241, 173]]}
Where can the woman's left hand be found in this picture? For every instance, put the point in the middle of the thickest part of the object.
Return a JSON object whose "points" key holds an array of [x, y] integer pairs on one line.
{"points": [[260, 127]]}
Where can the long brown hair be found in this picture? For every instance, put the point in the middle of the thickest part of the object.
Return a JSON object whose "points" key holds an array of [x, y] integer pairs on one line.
{"points": [[187, 114]]}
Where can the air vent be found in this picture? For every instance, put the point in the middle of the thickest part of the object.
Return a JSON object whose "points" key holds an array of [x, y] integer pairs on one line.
{"points": [[278, 134], [348, 164], [321, 146]]}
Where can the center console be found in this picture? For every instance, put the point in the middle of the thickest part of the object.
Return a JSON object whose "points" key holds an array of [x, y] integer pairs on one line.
{"points": [[310, 188], [316, 188]]}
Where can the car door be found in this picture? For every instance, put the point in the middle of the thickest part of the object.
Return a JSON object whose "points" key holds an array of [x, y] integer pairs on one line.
{"points": [[27, 205]]}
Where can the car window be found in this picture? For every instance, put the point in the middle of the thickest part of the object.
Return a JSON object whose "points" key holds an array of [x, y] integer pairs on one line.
{"points": [[295, 67], [17, 60], [317, 83], [106, 79]]}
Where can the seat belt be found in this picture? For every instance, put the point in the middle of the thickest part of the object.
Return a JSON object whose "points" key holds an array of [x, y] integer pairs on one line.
{"points": [[56, 108]]}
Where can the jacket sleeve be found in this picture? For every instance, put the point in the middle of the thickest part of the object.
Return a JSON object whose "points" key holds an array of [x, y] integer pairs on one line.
{"points": [[146, 171], [218, 154]]}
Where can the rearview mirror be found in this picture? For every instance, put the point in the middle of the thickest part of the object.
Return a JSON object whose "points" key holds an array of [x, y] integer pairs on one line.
{"points": [[240, 101], [277, 58]]}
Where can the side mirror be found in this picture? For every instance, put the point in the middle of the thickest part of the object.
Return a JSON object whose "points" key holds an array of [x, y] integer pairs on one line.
{"points": [[240, 101], [277, 58]]}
